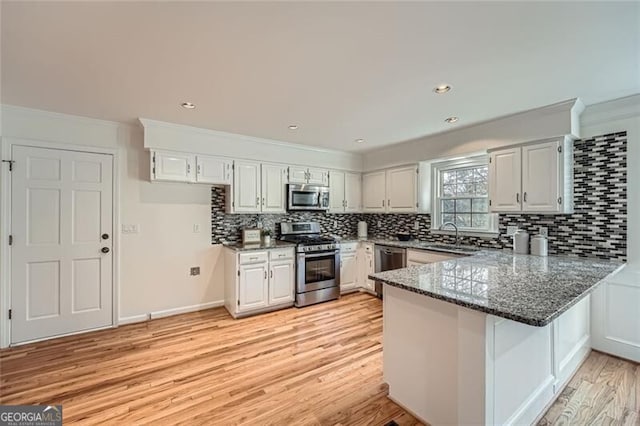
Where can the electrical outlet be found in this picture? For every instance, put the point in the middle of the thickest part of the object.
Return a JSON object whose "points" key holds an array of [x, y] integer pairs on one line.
{"points": [[335, 223], [195, 270], [416, 225], [196, 228], [511, 230], [379, 224], [544, 231]]}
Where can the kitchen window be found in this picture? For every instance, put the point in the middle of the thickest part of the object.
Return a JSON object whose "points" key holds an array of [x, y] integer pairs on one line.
{"points": [[461, 195]]}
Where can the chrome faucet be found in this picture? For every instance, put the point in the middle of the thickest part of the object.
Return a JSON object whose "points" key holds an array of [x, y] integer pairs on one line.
{"points": [[454, 227]]}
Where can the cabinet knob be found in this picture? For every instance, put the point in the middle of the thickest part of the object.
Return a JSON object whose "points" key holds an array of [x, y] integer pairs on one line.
{"points": [[105, 250]]}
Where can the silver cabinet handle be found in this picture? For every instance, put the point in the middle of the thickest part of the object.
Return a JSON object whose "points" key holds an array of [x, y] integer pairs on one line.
{"points": [[263, 201], [265, 275], [271, 273], [253, 258], [281, 255], [382, 203], [524, 197], [188, 168], [258, 201], [198, 169], [389, 203], [517, 197]]}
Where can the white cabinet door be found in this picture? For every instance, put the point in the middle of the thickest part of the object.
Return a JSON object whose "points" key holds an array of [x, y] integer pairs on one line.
{"points": [[505, 181], [348, 271], [246, 189], [173, 166], [297, 174], [281, 282], [369, 269], [402, 189], [253, 287], [540, 183], [273, 188], [353, 192], [318, 177], [373, 192], [336, 192], [213, 170]]}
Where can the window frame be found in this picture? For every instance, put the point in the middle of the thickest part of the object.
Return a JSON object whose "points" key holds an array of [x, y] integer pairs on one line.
{"points": [[437, 170]]}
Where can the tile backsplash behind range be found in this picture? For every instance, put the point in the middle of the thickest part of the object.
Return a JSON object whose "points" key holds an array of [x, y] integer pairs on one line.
{"points": [[597, 228]]}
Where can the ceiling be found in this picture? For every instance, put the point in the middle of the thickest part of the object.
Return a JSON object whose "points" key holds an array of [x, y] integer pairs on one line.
{"points": [[340, 71]]}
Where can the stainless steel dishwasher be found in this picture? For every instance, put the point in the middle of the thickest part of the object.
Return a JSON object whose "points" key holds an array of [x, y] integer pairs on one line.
{"points": [[388, 258]]}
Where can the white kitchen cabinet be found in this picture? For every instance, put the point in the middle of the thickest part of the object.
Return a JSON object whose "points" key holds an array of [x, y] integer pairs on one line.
{"points": [[505, 181], [348, 267], [172, 166], [281, 282], [274, 197], [367, 267], [213, 170], [402, 189], [246, 187], [258, 188], [424, 257], [259, 281], [391, 191], [532, 178], [336, 192], [345, 192], [374, 192], [307, 175], [253, 290]]}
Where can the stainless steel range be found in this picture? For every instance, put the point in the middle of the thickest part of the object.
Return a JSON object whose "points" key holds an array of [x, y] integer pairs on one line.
{"points": [[318, 263]]}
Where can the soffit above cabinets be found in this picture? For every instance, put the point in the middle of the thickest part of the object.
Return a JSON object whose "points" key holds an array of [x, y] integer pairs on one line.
{"points": [[340, 71]]}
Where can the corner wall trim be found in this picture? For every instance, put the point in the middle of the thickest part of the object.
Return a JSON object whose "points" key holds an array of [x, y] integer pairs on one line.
{"points": [[185, 309]]}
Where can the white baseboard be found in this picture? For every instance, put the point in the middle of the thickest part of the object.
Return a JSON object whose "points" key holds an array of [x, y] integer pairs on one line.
{"points": [[185, 309], [133, 319]]}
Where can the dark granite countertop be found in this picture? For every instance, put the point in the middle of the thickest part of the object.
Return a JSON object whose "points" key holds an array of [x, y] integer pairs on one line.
{"points": [[529, 289], [261, 246]]}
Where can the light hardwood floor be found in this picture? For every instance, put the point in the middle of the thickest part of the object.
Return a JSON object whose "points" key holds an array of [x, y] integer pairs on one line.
{"points": [[317, 365]]}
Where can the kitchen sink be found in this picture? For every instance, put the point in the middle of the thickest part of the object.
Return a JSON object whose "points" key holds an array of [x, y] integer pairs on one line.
{"points": [[452, 248]]}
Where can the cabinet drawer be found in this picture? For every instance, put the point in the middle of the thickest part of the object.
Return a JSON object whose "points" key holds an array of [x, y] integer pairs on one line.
{"points": [[253, 257], [348, 247], [281, 254]]}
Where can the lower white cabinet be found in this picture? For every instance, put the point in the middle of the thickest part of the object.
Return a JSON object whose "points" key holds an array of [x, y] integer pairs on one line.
{"points": [[367, 267], [259, 281], [348, 267]]}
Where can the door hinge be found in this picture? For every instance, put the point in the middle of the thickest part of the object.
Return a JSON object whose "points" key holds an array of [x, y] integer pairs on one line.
{"points": [[417, 171], [10, 313], [10, 164], [10, 240], [489, 159], [560, 149], [238, 302], [238, 272]]}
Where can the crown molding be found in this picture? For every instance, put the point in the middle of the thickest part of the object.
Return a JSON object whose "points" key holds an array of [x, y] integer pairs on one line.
{"points": [[613, 110]]}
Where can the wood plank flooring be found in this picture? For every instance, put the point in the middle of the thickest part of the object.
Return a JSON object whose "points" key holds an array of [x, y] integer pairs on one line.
{"points": [[321, 365], [317, 365], [604, 391]]}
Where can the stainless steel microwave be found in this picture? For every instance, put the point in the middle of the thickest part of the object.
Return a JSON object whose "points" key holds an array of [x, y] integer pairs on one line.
{"points": [[308, 197]]}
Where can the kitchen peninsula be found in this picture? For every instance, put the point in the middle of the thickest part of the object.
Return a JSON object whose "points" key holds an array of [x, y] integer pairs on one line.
{"points": [[486, 339]]}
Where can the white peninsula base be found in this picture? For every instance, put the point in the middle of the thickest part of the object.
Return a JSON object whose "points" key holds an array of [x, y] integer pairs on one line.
{"points": [[448, 364]]}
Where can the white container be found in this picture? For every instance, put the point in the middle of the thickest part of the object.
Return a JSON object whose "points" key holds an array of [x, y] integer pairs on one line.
{"points": [[521, 242], [362, 230], [539, 245]]}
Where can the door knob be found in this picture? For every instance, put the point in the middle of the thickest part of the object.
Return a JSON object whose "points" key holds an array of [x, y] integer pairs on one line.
{"points": [[105, 249], [105, 236]]}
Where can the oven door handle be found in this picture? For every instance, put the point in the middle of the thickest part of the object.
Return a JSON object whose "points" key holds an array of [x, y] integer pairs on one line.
{"points": [[323, 254]]}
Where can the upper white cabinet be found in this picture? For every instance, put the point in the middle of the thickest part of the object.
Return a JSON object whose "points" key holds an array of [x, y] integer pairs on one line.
{"points": [[536, 177], [306, 175], [345, 194], [171, 166], [374, 195], [258, 188], [213, 170], [391, 191]]}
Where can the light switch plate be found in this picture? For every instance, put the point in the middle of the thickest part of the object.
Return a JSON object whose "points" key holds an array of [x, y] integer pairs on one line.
{"points": [[195, 270], [416, 225], [130, 229], [196, 228], [511, 230]]}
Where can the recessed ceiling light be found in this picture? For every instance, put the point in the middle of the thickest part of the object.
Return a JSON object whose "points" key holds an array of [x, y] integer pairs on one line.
{"points": [[187, 105], [293, 127], [359, 140], [451, 120], [443, 88]]}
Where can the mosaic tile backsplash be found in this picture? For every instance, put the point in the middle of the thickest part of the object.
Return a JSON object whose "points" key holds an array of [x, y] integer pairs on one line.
{"points": [[597, 228]]}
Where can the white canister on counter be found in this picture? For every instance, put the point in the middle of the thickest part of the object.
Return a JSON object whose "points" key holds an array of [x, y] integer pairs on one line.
{"points": [[539, 245], [521, 242], [362, 230]]}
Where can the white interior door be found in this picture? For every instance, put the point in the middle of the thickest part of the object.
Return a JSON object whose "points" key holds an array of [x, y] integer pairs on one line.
{"points": [[62, 252]]}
